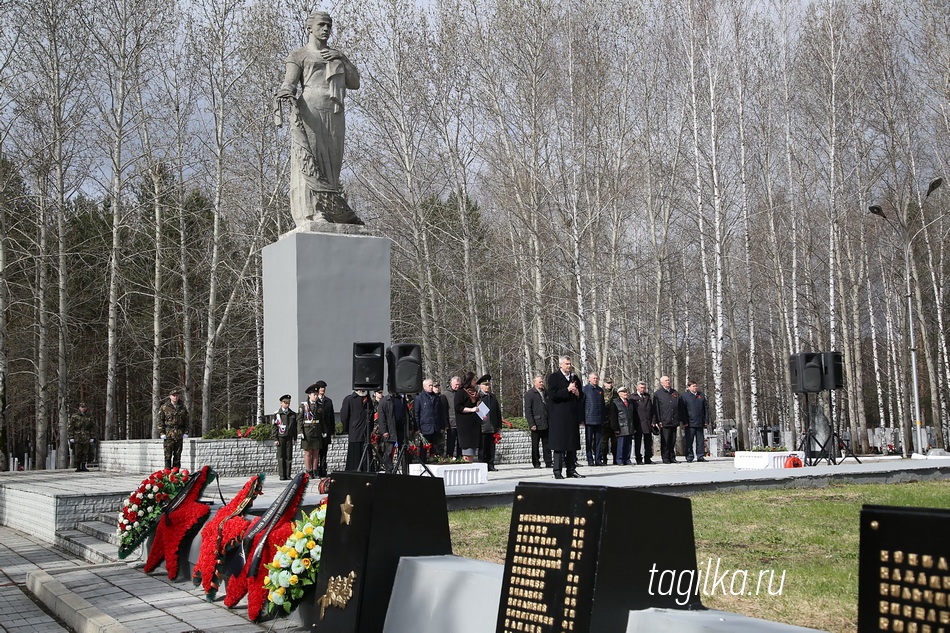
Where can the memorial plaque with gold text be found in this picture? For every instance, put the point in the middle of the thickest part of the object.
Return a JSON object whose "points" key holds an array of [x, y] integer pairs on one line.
{"points": [[576, 561], [904, 570]]}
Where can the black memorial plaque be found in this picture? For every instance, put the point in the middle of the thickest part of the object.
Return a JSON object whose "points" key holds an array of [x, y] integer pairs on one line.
{"points": [[373, 520], [904, 570], [580, 557]]}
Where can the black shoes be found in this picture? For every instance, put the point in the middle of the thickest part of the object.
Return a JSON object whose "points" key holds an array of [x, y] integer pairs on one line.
{"points": [[558, 475], [702, 459], [492, 469], [573, 474]]}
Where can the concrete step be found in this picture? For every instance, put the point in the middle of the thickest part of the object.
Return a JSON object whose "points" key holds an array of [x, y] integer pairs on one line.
{"points": [[90, 548], [102, 530]]}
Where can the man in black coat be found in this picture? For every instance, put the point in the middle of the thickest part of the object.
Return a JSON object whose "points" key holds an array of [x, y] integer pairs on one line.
{"points": [[356, 414], [669, 413], [392, 427], [645, 423], [536, 412], [621, 414], [697, 417], [565, 414]]}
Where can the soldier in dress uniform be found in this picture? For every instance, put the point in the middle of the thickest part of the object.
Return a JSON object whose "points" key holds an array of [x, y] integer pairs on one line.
{"points": [[81, 428], [315, 417], [173, 427], [284, 433]]}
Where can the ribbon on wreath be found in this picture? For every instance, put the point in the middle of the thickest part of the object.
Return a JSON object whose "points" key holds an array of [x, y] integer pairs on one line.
{"points": [[182, 514], [268, 533], [220, 534]]}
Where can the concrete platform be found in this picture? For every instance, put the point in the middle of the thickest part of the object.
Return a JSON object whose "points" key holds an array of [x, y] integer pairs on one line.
{"points": [[119, 597]]}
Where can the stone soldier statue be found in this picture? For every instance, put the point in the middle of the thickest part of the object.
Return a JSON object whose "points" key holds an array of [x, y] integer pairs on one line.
{"points": [[284, 432], [317, 125], [81, 430], [173, 427]]}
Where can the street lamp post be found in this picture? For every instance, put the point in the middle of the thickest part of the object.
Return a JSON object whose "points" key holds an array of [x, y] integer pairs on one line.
{"points": [[908, 239]]}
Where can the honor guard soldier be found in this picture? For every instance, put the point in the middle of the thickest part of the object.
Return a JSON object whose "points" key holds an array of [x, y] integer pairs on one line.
{"points": [[284, 433], [173, 427], [315, 417], [80, 437]]}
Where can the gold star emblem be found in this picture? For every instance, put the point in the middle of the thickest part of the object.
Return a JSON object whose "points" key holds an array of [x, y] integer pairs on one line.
{"points": [[347, 508]]}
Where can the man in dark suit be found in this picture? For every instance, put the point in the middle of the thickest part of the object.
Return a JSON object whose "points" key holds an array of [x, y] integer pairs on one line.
{"points": [[392, 427], [645, 422], [565, 414], [669, 412], [536, 412], [697, 417]]}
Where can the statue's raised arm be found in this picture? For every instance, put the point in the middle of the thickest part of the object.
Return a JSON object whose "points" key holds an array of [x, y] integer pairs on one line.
{"points": [[317, 125]]}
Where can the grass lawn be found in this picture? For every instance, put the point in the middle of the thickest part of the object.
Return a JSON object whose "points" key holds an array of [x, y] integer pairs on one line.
{"points": [[810, 534]]}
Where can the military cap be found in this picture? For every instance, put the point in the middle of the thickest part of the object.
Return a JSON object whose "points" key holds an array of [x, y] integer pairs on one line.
{"points": [[286, 397], [484, 379], [315, 387], [175, 392], [622, 390], [82, 405]]}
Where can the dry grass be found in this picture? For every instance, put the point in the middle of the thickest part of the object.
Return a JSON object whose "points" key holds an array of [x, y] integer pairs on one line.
{"points": [[811, 535]]}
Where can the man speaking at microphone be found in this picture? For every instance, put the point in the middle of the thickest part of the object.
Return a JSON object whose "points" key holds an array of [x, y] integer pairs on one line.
{"points": [[565, 412]]}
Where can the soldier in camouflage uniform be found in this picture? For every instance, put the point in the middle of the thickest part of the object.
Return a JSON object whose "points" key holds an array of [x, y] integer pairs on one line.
{"points": [[173, 427], [80, 431], [609, 440]]}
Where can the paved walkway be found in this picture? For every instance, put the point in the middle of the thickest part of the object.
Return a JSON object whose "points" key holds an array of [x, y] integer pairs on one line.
{"points": [[115, 598]]}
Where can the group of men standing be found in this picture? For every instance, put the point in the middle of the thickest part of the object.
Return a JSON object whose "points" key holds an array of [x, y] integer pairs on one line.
{"points": [[614, 421]]}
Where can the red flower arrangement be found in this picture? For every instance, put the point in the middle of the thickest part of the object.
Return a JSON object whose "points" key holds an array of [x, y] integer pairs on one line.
{"points": [[140, 512], [497, 437]]}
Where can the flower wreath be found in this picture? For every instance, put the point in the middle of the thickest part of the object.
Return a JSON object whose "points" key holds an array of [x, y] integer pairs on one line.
{"points": [[296, 563], [141, 511]]}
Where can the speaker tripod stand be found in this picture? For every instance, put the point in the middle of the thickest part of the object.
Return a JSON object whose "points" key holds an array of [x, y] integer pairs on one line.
{"points": [[829, 450]]}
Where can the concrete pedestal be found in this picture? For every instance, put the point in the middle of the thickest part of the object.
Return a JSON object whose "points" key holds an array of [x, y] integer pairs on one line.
{"points": [[322, 293]]}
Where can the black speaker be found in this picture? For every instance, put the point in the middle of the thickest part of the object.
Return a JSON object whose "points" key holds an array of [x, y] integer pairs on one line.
{"points": [[806, 372], [368, 365], [405, 368], [833, 365]]}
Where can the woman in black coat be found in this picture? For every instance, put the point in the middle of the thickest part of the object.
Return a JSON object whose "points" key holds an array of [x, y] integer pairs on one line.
{"points": [[467, 422]]}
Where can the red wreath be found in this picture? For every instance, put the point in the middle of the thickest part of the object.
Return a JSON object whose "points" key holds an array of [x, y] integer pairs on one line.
{"points": [[792, 461], [223, 530], [173, 526], [250, 582]]}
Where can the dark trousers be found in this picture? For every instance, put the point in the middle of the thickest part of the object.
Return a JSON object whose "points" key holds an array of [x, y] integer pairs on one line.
{"points": [[646, 439], [540, 438], [322, 466], [452, 447], [609, 446], [565, 458], [173, 452], [668, 443], [389, 453], [594, 435], [695, 437], [354, 453], [285, 457], [486, 452], [622, 454]]}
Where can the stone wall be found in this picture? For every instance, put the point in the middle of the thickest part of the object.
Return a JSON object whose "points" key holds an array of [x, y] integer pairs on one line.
{"points": [[239, 457]]}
